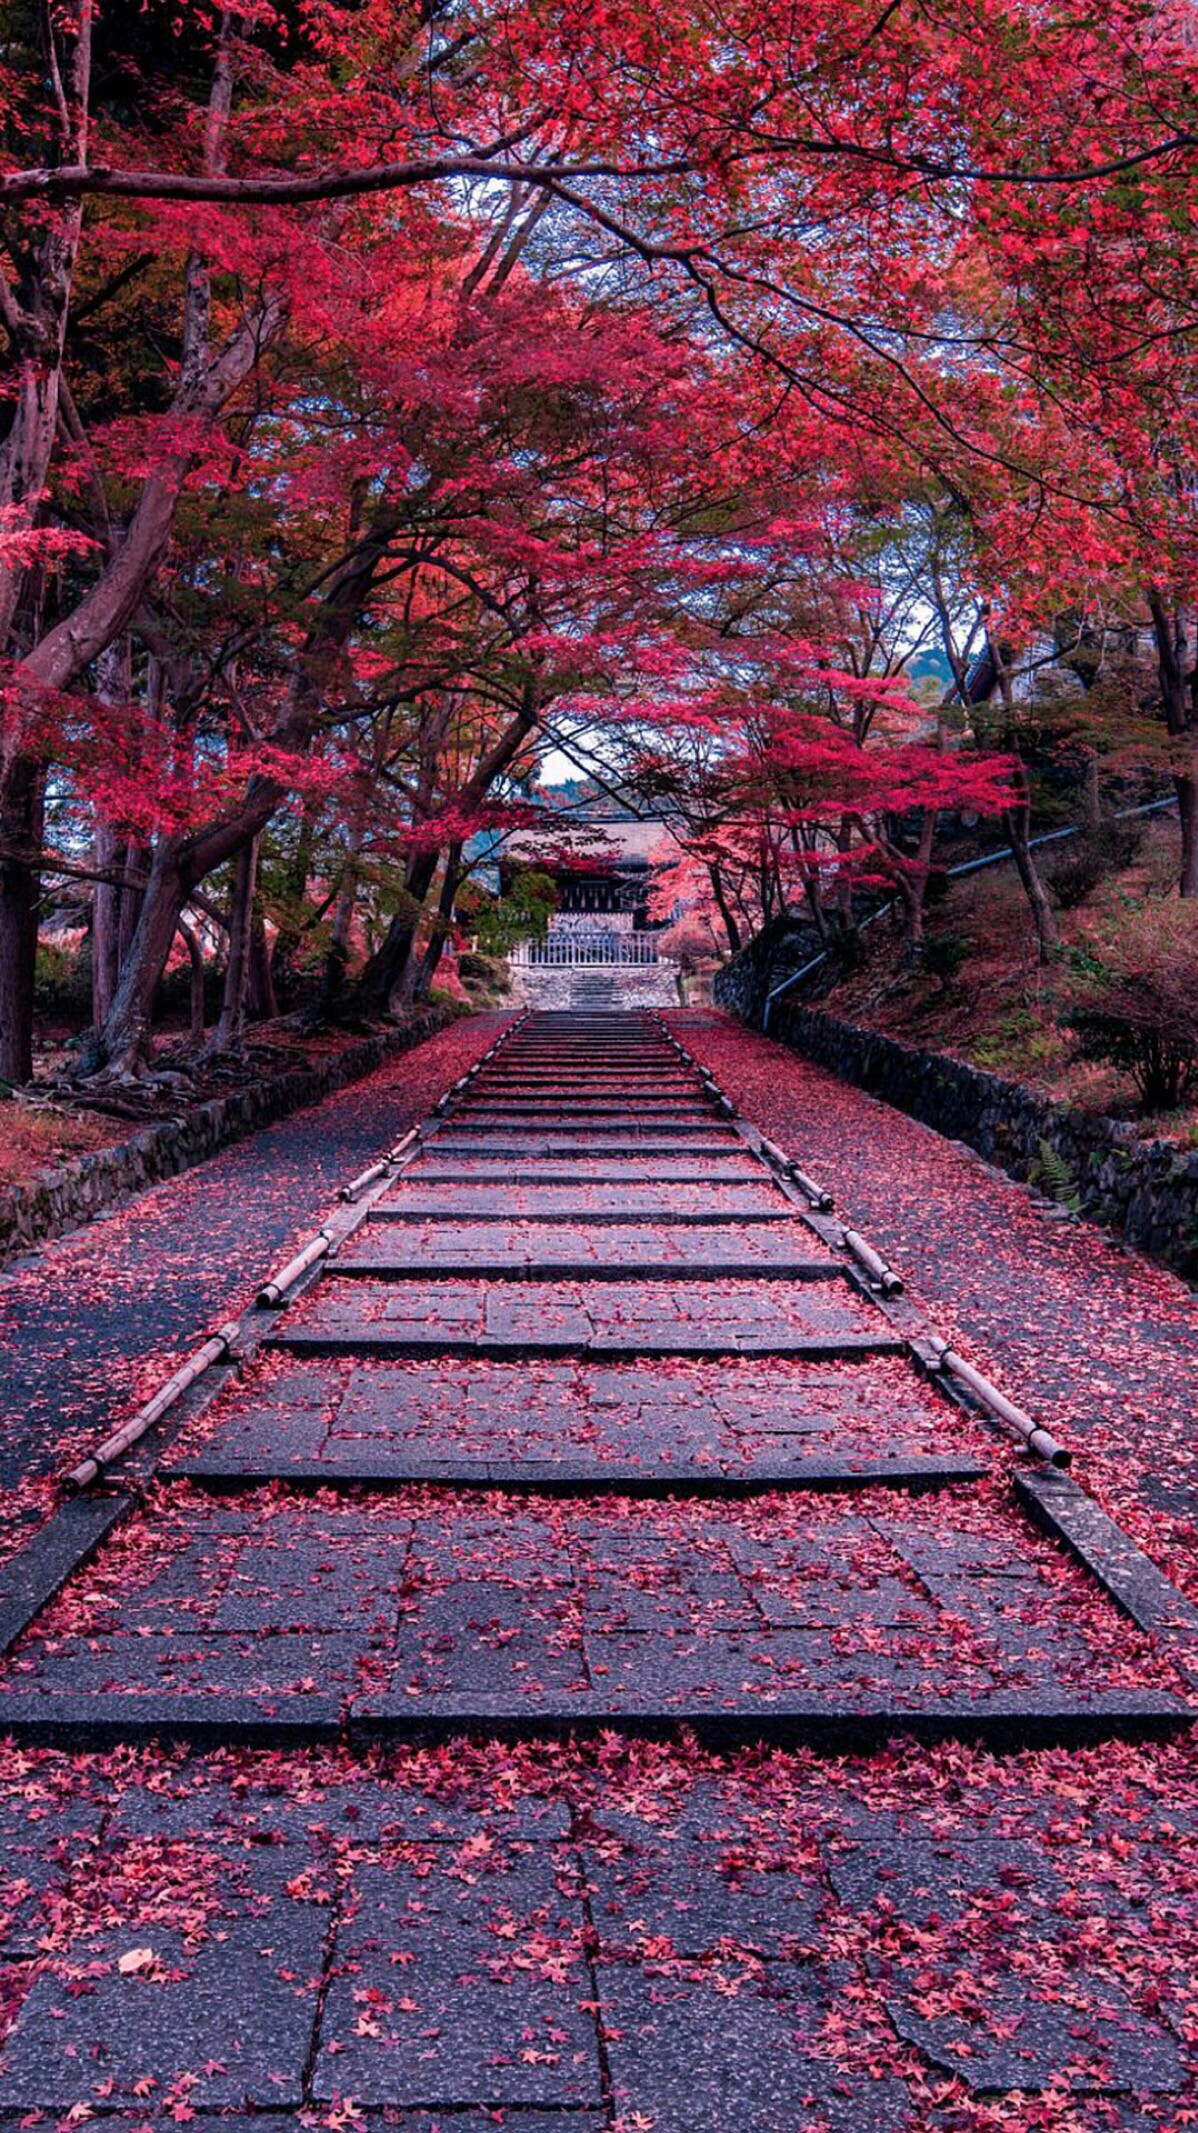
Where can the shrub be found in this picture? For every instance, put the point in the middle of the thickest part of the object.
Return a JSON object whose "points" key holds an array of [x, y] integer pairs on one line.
{"points": [[63, 981], [483, 973], [1086, 861], [945, 955], [1139, 1007]]}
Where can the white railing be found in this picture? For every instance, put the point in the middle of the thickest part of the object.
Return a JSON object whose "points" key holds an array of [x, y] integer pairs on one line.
{"points": [[571, 950]]}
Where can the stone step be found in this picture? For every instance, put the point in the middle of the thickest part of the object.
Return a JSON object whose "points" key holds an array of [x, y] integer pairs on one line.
{"points": [[715, 1418], [617, 1318], [702, 1129], [500, 1201], [651, 1250], [747, 1617], [347, 1467], [515, 1144], [730, 1170]]}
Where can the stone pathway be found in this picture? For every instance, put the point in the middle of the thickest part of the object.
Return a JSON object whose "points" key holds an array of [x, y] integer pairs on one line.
{"points": [[81, 1325], [432, 1729]]}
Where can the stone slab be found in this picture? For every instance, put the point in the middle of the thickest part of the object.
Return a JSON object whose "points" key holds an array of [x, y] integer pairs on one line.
{"points": [[935, 1900], [64, 1545], [459, 2022], [500, 1200], [1131, 1577], [91, 1722], [651, 1250], [728, 1169], [994, 1722], [45, 1844], [234, 2012], [342, 1464], [612, 1318], [688, 2058]]}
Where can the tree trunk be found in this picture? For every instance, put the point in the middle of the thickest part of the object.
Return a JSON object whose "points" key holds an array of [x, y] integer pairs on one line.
{"points": [[114, 686], [1179, 703], [195, 957], [230, 1025], [291, 926], [442, 924], [123, 1040], [336, 962], [914, 885], [22, 809], [260, 989], [384, 971], [1018, 824], [735, 943], [108, 855]]}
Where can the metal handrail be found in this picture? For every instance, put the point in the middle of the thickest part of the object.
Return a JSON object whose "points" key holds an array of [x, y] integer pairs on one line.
{"points": [[966, 866]]}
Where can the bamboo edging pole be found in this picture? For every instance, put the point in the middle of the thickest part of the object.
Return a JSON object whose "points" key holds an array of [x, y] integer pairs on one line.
{"points": [[215, 1350], [1038, 1440]]}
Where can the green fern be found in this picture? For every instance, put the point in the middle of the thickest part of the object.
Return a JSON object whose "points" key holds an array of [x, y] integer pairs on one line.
{"points": [[1051, 1174]]}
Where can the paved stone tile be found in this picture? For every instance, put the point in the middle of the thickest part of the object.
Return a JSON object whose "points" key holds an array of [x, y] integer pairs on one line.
{"points": [[518, 1147], [1094, 2035], [357, 1594], [733, 1166], [309, 1664], [460, 1992], [485, 1635], [503, 1201], [231, 2007], [693, 2059], [727, 1413], [43, 1846], [1044, 2003], [358, 1807], [406, 1248], [639, 1317], [149, 2120], [694, 1893]]}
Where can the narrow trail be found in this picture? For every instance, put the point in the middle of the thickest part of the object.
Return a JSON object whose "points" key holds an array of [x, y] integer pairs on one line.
{"points": [[478, 1691]]}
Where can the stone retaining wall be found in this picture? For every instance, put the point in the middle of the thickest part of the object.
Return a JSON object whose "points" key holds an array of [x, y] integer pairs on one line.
{"points": [[618, 986], [1148, 1190], [87, 1184]]}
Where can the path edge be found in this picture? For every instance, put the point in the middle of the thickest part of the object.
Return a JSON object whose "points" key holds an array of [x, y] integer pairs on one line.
{"points": [[78, 1191], [1147, 1191]]}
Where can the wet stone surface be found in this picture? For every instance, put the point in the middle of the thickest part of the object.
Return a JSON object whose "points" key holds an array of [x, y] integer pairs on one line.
{"points": [[672, 1606], [407, 1248], [636, 1318], [610, 1932], [717, 1415]]}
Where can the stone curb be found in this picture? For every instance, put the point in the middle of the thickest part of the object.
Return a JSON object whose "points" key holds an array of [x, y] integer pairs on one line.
{"points": [[83, 1188], [1147, 1190]]}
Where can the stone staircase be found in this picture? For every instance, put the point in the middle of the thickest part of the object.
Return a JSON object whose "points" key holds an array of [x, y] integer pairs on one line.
{"points": [[613, 987]]}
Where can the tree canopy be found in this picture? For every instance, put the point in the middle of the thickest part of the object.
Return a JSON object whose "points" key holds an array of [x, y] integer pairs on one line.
{"points": [[396, 392]]}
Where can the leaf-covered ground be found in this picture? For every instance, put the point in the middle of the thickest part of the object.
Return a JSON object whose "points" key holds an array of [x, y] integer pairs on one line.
{"points": [[92, 1321], [1095, 1339], [620, 1937], [635, 1937]]}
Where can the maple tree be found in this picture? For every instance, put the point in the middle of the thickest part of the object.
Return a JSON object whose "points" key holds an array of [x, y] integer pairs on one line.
{"points": [[284, 289]]}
